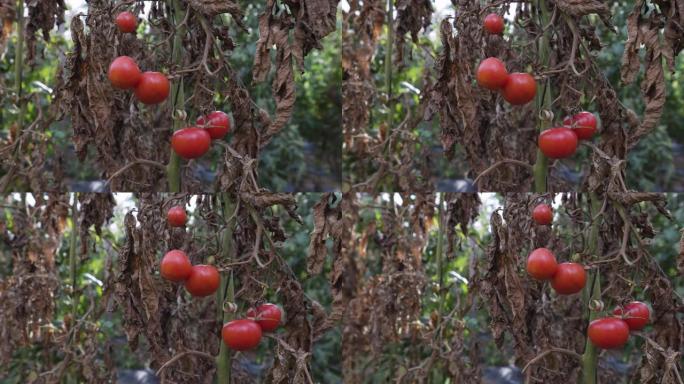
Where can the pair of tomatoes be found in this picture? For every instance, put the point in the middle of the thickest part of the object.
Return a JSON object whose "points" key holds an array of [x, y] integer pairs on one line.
{"points": [[542, 214], [613, 332], [516, 88], [150, 87], [200, 280], [244, 334], [193, 142], [561, 142], [566, 278]]}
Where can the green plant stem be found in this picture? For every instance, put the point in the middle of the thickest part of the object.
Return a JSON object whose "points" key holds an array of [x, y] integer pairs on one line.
{"points": [[590, 356], [73, 259], [544, 98], [439, 255], [19, 62], [177, 96], [388, 59], [227, 291]]}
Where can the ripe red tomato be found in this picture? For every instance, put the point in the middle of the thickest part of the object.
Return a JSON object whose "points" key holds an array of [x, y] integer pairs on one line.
{"points": [[520, 88], [492, 73], [218, 124], [583, 124], [153, 88], [267, 316], [494, 24], [542, 214], [541, 264], [175, 266], [558, 143], [124, 73], [569, 278], [203, 280], [608, 333], [636, 314], [176, 216], [126, 22], [191, 142], [241, 335]]}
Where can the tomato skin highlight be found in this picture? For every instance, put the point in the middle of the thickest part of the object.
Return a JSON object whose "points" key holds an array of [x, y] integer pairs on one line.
{"points": [[520, 88], [190, 143], [636, 314], [175, 266], [203, 280], [608, 333], [124, 73], [126, 22], [241, 335], [494, 24], [216, 123], [267, 316], [541, 264], [583, 124], [153, 88], [542, 214], [492, 74], [558, 143], [176, 216], [569, 279]]}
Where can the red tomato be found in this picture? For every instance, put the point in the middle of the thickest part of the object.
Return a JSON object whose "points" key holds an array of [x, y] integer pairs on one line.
{"points": [[494, 24], [191, 142], [492, 73], [241, 335], [175, 266], [153, 88], [520, 88], [636, 314], [217, 126], [583, 124], [558, 143], [541, 264], [542, 214], [176, 216], [203, 280], [126, 22], [124, 73], [569, 278], [608, 333], [267, 316]]}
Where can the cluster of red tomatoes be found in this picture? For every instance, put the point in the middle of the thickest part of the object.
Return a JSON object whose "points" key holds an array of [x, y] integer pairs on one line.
{"points": [[566, 278], [561, 142], [569, 278], [244, 334], [516, 88], [200, 280], [150, 87], [193, 142]]}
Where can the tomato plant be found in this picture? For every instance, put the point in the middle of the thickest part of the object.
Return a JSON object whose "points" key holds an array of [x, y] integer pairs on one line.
{"points": [[126, 22], [583, 124], [520, 88], [542, 214], [242, 334], [558, 143], [191, 142], [570, 278], [266, 315], [492, 73], [153, 88], [541, 264], [176, 216], [216, 123], [494, 24], [608, 332], [636, 314], [175, 266], [203, 280], [124, 73]]}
